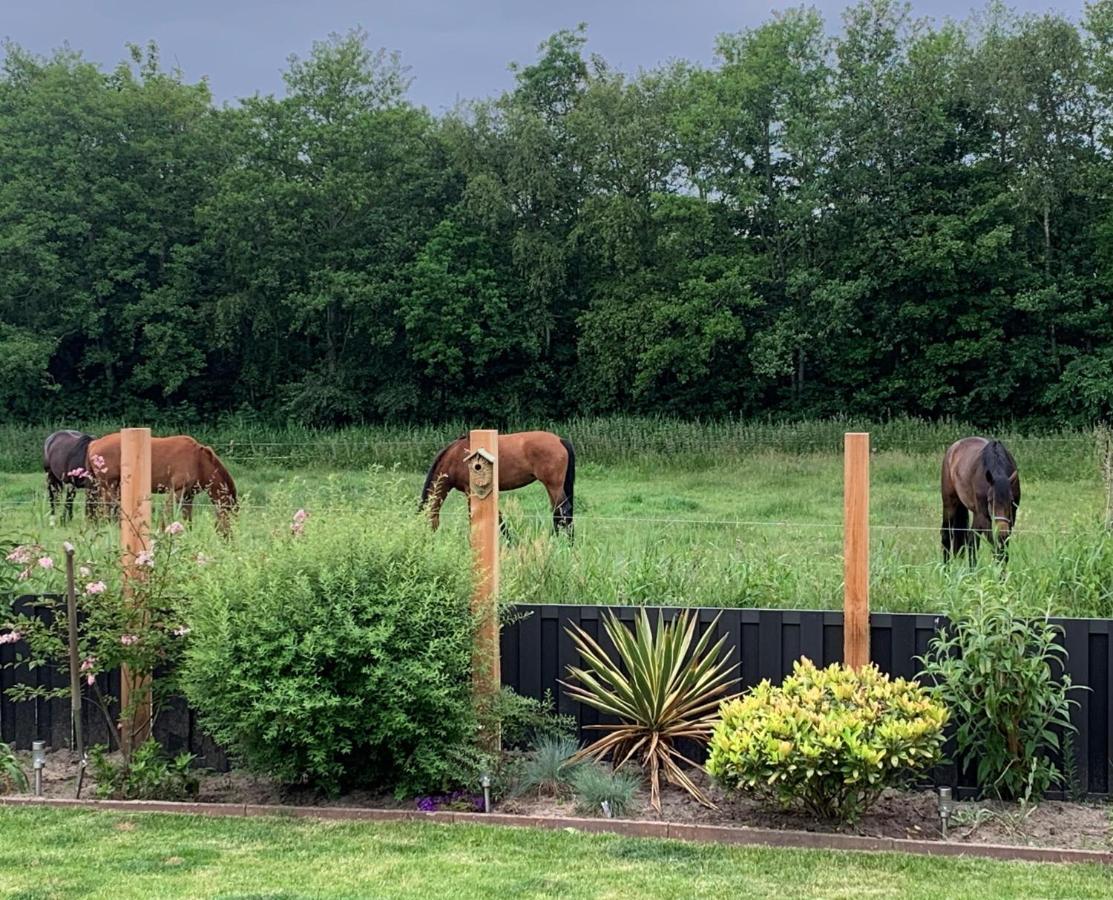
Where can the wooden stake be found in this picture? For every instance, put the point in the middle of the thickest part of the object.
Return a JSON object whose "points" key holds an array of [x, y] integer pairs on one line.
{"points": [[483, 500], [856, 551], [135, 529]]}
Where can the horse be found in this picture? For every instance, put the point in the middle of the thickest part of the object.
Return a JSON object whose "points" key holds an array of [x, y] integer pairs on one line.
{"points": [[64, 464], [180, 467], [523, 458], [979, 477]]}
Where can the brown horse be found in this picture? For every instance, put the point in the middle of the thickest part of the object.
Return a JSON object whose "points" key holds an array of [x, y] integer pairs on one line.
{"points": [[979, 477], [524, 457], [180, 467]]}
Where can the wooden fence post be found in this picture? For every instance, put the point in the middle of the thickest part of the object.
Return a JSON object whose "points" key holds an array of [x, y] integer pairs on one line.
{"points": [[135, 527], [483, 501], [856, 550]]}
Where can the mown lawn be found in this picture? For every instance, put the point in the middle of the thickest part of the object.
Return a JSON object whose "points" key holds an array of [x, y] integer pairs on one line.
{"points": [[67, 853]]}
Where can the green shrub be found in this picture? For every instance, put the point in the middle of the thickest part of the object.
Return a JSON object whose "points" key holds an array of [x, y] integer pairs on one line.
{"points": [[342, 658], [827, 740], [595, 785], [148, 775], [1002, 677], [524, 721], [548, 768], [12, 776]]}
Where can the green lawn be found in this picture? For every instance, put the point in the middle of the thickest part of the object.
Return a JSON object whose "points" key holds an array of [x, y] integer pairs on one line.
{"points": [[761, 532], [67, 854]]}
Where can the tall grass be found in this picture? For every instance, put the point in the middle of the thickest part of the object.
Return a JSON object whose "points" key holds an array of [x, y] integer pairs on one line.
{"points": [[605, 441]]}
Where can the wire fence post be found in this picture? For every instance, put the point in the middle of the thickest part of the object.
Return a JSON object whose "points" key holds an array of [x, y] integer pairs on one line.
{"points": [[135, 528], [856, 550], [483, 504]]}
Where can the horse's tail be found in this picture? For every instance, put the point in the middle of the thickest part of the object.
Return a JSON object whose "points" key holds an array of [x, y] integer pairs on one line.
{"points": [[565, 508], [431, 475]]}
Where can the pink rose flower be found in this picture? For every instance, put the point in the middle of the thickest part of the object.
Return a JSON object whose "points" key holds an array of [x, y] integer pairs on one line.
{"points": [[11, 637]]}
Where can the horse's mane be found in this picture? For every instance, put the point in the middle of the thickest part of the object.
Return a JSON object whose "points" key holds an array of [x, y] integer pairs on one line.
{"points": [[1000, 467], [221, 470], [430, 476]]}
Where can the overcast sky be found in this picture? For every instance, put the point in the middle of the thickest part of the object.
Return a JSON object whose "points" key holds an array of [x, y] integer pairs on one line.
{"points": [[456, 49]]}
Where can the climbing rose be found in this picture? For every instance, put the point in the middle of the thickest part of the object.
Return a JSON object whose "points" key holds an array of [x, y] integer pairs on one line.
{"points": [[20, 555], [87, 667], [11, 637]]}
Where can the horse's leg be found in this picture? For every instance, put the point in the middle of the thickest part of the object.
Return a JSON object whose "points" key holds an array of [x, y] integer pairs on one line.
{"points": [[981, 527], [53, 485], [955, 521], [562, 507], [187, 506], [71, 493]]}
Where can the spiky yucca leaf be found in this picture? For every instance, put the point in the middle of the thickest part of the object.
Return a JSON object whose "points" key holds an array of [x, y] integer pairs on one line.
{"points": [[664, 686]]}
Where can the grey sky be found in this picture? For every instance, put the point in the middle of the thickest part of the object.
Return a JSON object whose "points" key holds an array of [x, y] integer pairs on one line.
{"points": [[456, 49]]}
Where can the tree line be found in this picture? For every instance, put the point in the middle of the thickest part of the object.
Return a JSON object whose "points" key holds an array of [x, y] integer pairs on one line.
{"points": [[886, 217]]}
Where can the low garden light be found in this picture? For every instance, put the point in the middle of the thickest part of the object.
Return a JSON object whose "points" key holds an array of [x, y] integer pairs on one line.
{"points": [[485, 781], [946, 809], [38, 762]]}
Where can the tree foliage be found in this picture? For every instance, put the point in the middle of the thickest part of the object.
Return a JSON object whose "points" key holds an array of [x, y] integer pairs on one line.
{"points": [[887, 217]]}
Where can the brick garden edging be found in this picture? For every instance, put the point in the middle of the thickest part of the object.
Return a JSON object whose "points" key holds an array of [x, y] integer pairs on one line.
{"points": [[719, 834]]}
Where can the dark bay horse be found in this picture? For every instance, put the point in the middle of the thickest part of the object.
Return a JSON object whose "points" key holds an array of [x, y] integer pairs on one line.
{"points": [[180, 467], [524, 457], [64, 464], [980, 478]]}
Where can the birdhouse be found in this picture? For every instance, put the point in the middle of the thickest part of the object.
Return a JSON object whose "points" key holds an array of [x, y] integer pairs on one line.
{"points": [[481, 472]]}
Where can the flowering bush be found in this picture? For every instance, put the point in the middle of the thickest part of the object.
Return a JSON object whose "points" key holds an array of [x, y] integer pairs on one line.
{"points": [[144, 634], [828, 740], [341, 658]]}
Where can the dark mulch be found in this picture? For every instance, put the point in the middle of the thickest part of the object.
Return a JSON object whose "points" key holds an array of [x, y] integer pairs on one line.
{"points": [[898, 814]]}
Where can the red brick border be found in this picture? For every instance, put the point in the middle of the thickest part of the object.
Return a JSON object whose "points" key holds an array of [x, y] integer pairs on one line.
{"points": [[719, 834]]}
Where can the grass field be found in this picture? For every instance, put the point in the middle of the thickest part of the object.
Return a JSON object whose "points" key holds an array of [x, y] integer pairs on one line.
{"points": [[675, 513], [62, 854]]}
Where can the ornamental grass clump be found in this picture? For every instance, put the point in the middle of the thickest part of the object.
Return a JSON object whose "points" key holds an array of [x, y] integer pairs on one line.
{"points": [[664, 687], [828, 741]]}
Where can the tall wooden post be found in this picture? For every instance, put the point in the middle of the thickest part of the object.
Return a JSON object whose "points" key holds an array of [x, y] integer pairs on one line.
{"points": [[856, 550], [135, 530], [483, 499]]}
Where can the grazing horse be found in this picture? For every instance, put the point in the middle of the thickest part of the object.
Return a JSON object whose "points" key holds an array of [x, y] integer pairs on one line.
{"points": [[524, 457], [64, 464], [180, 467], [979, 477]]}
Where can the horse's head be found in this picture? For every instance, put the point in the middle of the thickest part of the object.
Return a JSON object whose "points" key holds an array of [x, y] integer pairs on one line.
{"points": [[1002, 507]]}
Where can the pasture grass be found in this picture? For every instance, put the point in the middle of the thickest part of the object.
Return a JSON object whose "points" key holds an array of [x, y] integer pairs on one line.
{"points": [[729, 514], [46, 854]]}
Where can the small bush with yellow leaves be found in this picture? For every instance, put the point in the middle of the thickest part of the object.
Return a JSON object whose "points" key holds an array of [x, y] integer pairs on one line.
{"points": [[827, 740]]}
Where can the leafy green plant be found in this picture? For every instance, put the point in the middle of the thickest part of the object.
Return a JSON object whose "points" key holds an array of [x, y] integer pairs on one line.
{"points": [[827, 740], [664, 687], [595, 785], [147, 775], [550, 766], [1001, 676], [344, 653], [525, 720], [12, 776]]}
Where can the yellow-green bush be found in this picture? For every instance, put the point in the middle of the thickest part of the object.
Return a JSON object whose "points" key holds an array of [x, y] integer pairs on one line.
{"points": [[827, 740]]}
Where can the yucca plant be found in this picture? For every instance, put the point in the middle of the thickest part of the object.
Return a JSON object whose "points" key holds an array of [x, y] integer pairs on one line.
{"points": [[664, 687]]}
